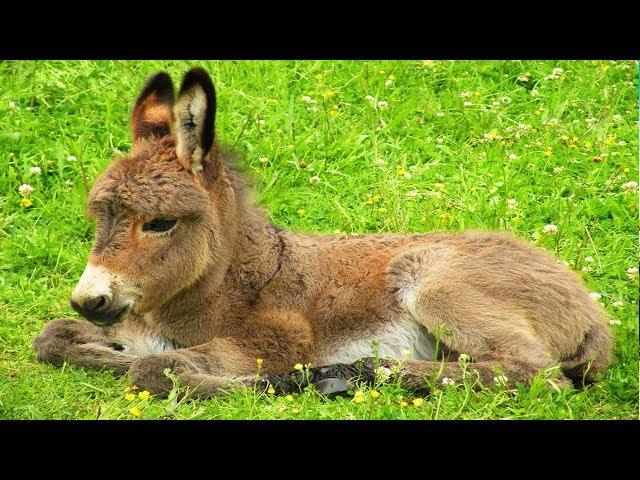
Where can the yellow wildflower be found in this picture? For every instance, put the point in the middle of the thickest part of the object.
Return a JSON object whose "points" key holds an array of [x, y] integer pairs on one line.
{"points": [[135, 411], [374, 394], [289, 398], [130, 397], [259, 362], [282, 408], [328, 94], [401, 170], [548, 152], [25, 202], [271, 390], [358, 397], [417, 402], [382, 209], [403, 404], [143, 395], [298, 366], [301, 212]]}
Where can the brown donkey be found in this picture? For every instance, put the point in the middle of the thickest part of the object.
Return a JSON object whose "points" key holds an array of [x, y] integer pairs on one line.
{"points": [[187, 274]]}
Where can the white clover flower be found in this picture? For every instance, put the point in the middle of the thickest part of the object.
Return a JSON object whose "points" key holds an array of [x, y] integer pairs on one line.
{"points": [[306, 99], [382, 374], [589, 259], [314, 180], [439, 140], [622, 143], [388, 82], [534, 92], [370, 99], [632, 272], [495, 103], [615, 322], [465, 95], [12, 105], [383, 105], [618, 303], [463, 357], [467, 104], [595, 296], [25, 190], [263, 159], [558, 71], [506, 100], [482, 154], [35, 171], [513, 156], [260, 121], [523, 78], [72, 158], [558, 169], [69, 183], [448, 381], [629, 185], [500, 379], [411, 194], [616, 118], [550, 229], [439, 114], [511, 204]]}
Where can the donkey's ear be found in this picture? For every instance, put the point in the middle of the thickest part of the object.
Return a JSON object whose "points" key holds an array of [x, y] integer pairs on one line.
{"points": [[195, 116], [153, 109]]}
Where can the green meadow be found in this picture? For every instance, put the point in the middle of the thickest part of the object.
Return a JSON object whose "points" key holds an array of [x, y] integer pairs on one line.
{"points": [[547, 150]]}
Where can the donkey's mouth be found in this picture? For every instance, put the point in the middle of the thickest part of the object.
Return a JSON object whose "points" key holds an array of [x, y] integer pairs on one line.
{"points": [[106, 317]]}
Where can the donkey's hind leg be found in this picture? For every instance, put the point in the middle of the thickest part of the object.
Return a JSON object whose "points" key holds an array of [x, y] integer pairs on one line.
{"points": [[467, 321], [79, 343]]}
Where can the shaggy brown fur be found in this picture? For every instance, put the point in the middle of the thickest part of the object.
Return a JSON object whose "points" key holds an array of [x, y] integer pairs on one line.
{"points": [[187, 274]]}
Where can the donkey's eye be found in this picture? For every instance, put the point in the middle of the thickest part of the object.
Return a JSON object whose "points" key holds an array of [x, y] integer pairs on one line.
{"points": [[158, 225]]}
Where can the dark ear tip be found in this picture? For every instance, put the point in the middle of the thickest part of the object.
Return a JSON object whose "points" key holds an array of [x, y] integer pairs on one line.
{"points": [[197, 75], [160, 83]]}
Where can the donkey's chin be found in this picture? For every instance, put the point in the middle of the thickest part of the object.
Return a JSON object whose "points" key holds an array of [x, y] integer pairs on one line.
{"points": [[108, 317]]}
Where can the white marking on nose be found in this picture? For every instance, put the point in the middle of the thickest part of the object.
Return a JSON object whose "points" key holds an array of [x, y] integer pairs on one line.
{"points": [[95, 282]]}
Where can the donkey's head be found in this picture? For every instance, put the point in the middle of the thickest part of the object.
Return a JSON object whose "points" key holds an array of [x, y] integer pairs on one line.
{"points": [[160, 209]]}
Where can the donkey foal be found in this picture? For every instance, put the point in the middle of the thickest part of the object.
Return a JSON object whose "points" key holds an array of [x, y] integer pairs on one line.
{"points": [[187, 274]]}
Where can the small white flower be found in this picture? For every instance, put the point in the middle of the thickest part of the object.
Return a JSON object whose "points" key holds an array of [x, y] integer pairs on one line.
{"points": [[25, 190], [511, 204], [513, 156], [534, 92], [412, 194], [618, 303], [558, 169], [632, 272], [595, 296], [12, 105], [371, 100], [506, 100], [382, 374], [263, 159], [439, 140], [629, 185], [448, 381], [616, 118], [495, 103], [482, 155], [72, 158], [382, 105], [550, 229], [35, 171], [615, 322], [622, 143], [260, 122], [306, 99], [439, 114], [589, 259], [465, 95], [558, 71], [464, 357], [69, 183], [314, 180], [500, 379], [467, 104], [388, 83], [563, 262]]}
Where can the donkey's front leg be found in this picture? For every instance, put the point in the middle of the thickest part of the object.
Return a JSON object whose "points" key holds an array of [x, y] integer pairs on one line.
{"points": [[79, 343]]}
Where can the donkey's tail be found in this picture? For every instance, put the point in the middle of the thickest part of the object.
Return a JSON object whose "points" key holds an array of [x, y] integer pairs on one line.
{"points": [[592, 356]]}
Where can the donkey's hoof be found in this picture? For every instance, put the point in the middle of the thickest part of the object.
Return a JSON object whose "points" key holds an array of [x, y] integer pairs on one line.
{"points": [[148, 374], [332, 387]]}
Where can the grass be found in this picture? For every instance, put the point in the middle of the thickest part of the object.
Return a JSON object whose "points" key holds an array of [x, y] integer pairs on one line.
{"points": [[520, 155]]}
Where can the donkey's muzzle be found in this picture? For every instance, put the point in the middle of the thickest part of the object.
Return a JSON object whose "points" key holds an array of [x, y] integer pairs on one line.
{"points": [[100, 309]]}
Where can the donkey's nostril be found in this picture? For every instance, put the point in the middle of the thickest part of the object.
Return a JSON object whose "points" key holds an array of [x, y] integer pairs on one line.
{"points": [[100, 301]]}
